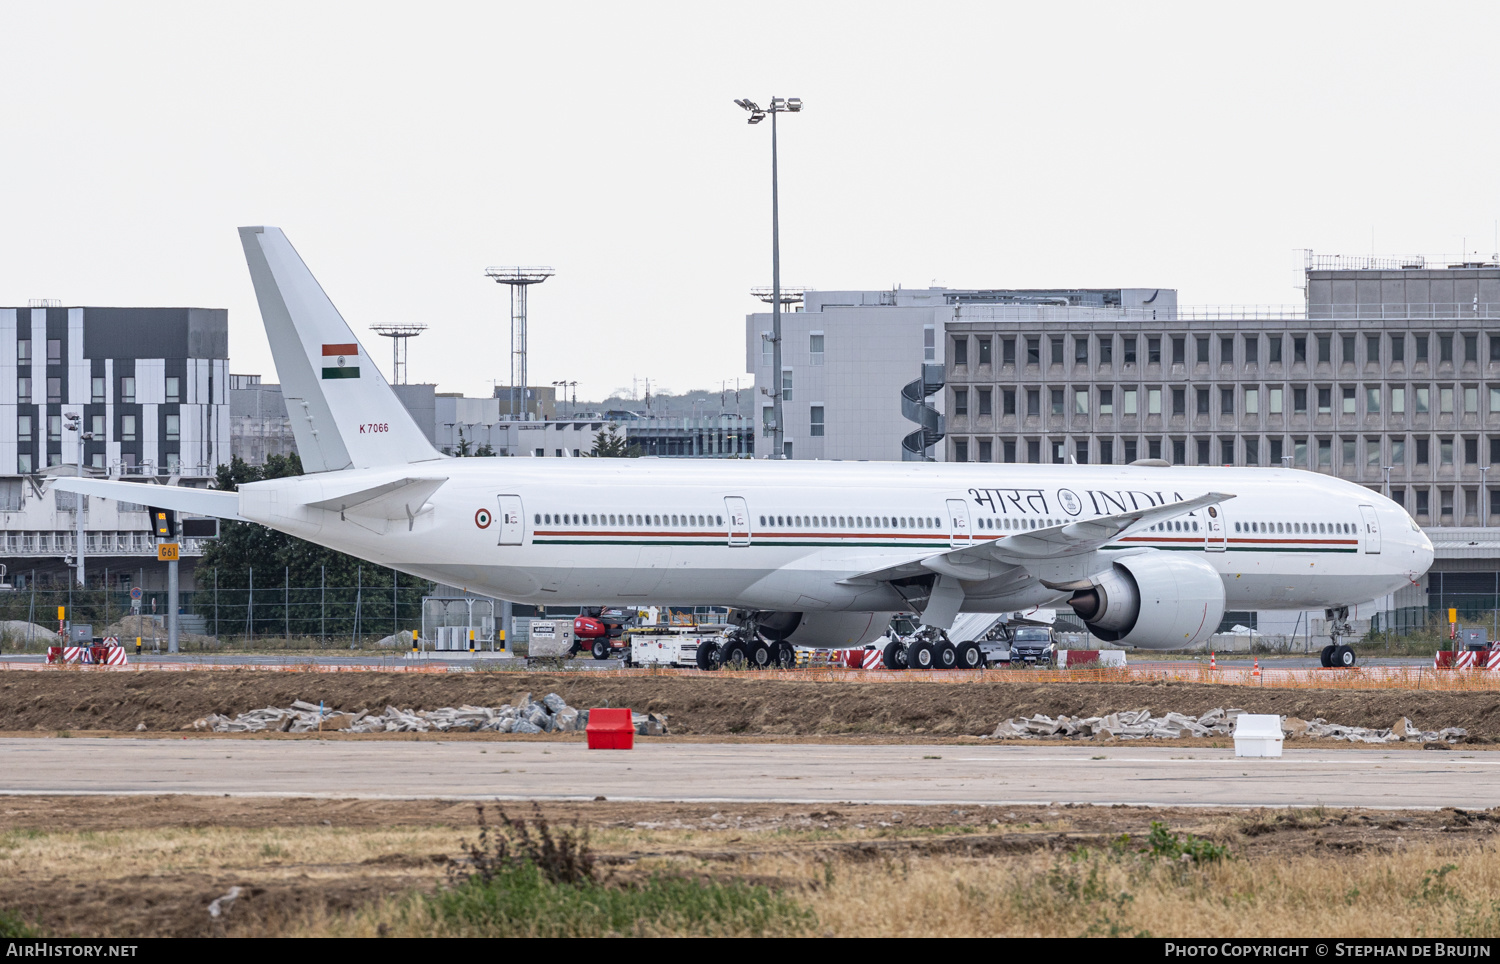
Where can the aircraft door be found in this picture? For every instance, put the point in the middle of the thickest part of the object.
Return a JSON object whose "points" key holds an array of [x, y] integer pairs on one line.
{"points": [[512, 522], [958, 523], [739, 520], [1372, 528], [1214, 531]]}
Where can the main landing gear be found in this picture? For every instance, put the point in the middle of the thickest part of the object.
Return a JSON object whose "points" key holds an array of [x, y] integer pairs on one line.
{"points": [[1336, 654], [930, 648], [743, 648]]}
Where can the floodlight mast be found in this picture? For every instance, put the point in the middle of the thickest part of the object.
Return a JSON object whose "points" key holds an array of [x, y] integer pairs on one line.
{"points": [[757, 114], [398, 334], [519, 280]]}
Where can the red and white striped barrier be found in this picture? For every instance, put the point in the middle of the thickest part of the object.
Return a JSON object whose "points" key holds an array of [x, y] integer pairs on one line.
{"points": [[114, 655], [1451, 659], [874, 659], [74, 654]]}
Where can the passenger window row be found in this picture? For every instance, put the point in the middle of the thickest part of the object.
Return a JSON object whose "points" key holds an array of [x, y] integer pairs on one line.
{"points": [[1309, 528], [633, 521]]}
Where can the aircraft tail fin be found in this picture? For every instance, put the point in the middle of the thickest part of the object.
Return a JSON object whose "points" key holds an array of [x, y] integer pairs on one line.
{"points": [[343, 413]]}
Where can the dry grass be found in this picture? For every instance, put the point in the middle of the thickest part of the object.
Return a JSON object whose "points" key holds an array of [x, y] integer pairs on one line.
{"points": [[1430, 888]]}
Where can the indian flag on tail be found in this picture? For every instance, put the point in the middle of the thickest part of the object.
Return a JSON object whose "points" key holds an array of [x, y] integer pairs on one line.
{"points": [[344, 360]]}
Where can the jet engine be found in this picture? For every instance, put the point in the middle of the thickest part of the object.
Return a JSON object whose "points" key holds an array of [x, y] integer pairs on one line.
{"points": [[1155, 600]]}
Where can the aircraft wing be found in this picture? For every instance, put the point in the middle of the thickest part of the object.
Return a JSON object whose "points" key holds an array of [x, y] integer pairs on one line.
{"points": [[990, 558], [211, 502]]}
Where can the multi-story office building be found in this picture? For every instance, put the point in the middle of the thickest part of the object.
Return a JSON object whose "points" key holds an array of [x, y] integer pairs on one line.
{"points": [[132, 393], [862, 371]]}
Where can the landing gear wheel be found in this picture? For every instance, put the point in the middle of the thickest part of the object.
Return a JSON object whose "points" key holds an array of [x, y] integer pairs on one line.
{"points": [[969, 656], [1343, 657], [601, 649], [786, 656], [708, 656], [736, 655], [945, 656], [1327, 656], [894, 655], [760, 656], [920, 655]]}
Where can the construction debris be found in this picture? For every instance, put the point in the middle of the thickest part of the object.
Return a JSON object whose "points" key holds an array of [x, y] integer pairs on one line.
{"points": [[1140, 724], [551, 714]]}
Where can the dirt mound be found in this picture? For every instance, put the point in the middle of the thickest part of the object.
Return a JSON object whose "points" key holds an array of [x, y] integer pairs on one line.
{"points": [[18, 632], [701, 705]]}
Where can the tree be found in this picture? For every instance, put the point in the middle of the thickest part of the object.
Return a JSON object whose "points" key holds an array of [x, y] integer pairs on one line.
{"points": [[609, 445], [462, 451]]}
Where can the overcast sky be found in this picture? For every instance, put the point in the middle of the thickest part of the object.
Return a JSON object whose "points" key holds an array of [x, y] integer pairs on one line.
{"points": [[403, 148]]}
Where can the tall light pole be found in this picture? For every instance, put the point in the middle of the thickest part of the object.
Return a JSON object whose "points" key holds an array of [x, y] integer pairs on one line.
{"points": [[778, 105], [74, 423]]}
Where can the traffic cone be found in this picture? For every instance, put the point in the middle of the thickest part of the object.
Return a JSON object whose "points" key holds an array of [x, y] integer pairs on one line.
{"points": [[1212, 664], [1256, 670]]}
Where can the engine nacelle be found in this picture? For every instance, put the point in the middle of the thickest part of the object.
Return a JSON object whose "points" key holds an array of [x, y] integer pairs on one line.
{"points": [[832, 630], [1155, 600]]}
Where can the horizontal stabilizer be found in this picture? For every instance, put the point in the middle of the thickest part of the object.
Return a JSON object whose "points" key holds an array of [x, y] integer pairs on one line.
{"points": [[401, 499], [211, 502]]}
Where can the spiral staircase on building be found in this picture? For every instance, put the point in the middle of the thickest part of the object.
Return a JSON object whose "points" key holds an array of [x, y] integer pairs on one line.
{"points": [[917, 446]]}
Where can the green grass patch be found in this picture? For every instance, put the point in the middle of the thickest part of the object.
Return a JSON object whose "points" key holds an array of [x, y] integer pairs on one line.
{"points": [[11, 925]]}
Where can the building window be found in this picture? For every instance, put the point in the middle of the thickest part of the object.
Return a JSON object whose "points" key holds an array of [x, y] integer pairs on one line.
{"points": [[1471, 451], [786, 384], [1202, 400], [1398, 452], [23, 464], [1034, 451], [127, 390], [1128, 402], [1325, 349], [1423, 400], [986, 450], [960, 450], [1106, 351], [1348, 349], [1153, 350], [1127, 350], [1202, 446], [1057, 401], [986, 403], [1348, 399], [1007, 351], [1299, 401], [1471, 399], [1082, 449], [1179, 401], [1008, 400], [1226, 451], [1423, 503], [23, 428], [1153, 401], [1423, 451], [985, 355], [1372, 349], [1252, 450], [1273, 400], [814, 351], [786, 449], [1252, 350], [174, 428], [1276, 445], [1033, 401], [54, 428], [1131, 448], [1080, 401], [1445, 451], [929, 343], [1106, 451], [54, 351], [23, 390], [1348, 455], [23, 351], [1398, 401], [1398, 349], [1273, 350], [1299, 349], [1226, 401], [174, 388], [1372, 399], [96, 392], [1034, 351], [816, 421], [1252, 401], [1325, 453], [1445, 401], [54, 390], [1423, 342], [1008, 450], [1202, 350], [961, 350], [1445, 349], [1057, 350], [1106, 401], [960, 401], [96, 426], [127, 428], [1081, 350], [1325, 401], [1179, 451]]}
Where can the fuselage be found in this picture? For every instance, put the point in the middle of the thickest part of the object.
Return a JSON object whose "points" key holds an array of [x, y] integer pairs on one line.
{"points": [[789, 536]]}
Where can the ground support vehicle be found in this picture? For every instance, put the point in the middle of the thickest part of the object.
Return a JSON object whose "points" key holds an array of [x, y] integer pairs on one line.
{"points": [[667, 649]]}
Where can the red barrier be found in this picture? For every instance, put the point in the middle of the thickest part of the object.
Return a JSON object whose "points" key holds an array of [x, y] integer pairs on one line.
{"points": [[610, 729]]}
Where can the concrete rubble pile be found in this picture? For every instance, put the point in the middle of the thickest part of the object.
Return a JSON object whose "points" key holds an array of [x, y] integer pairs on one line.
{"points": [[550, 714], [1140, 724]]}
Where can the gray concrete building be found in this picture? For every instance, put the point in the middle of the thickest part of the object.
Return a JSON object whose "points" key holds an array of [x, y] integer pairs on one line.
{"points": [[134, 393]]}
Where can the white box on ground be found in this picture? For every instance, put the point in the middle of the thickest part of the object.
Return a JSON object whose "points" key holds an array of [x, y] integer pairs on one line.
{"points": [[666, 650], [1257, 735]]}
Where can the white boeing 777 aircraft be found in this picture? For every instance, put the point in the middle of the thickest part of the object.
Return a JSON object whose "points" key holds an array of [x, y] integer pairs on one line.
{"points": [[810, 552]]}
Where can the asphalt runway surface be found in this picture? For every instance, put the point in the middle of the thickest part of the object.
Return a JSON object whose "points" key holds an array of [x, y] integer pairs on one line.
{"points": [[756, 772]]}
